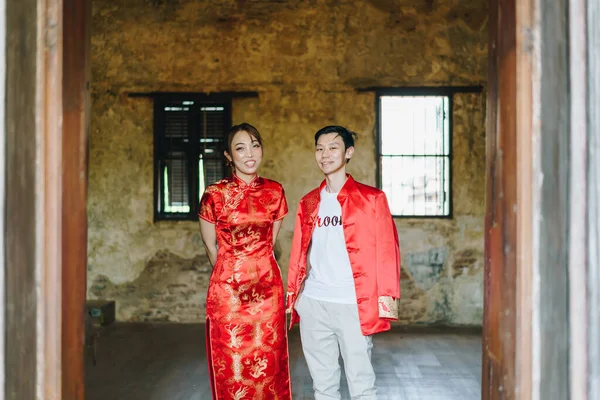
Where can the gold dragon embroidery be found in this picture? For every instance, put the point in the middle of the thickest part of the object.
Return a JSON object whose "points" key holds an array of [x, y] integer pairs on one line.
{"points": [[239, 394], [258, 369], [234, 340]]}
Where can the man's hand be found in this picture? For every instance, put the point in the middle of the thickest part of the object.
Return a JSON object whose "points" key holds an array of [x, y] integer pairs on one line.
{"points": [[388, 307]]}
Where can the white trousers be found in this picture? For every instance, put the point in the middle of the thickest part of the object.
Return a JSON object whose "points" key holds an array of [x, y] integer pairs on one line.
{"points": [[326, 329]]}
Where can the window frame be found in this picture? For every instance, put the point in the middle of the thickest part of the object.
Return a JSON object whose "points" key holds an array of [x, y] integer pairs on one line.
{"points": [[158, 122], [421, 91]]}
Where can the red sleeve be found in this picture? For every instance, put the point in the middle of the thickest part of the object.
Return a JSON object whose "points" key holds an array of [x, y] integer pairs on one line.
{"points": [[207, 207], [282, 208], [388, 250]]}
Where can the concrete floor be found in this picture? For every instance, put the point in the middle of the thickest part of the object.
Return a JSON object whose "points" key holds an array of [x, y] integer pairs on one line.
{"points": [[168, 362]]}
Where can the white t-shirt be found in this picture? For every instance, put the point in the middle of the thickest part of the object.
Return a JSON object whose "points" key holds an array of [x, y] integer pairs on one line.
{"points": [[330, 277]]}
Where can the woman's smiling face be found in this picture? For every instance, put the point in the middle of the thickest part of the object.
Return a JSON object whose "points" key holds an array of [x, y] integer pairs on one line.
{"points": [[246, 155]]}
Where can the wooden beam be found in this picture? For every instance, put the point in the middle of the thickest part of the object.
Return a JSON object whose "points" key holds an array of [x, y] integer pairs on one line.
{"points": [[527, 133], [3, 156], [489, 344], [558, 283], [421, 90], [500, 283], [593, 195], [553, 224], [217, 96], [577, 227], [32, 208], [48, 207], [21, 195], [76, 50], [490, 352]]}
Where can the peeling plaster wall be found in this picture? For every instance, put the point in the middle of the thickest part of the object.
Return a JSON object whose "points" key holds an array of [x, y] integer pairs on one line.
{"points": [[305, 59]]}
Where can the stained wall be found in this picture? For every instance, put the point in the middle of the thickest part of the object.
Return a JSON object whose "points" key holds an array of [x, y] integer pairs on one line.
{"points": [[308, 61]]}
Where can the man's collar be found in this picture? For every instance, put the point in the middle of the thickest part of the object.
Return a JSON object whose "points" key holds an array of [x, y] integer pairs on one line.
{"points": [[348, 185]]}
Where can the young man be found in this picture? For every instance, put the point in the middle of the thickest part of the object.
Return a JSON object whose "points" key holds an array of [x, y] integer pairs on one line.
{"points": [[345, 231]]}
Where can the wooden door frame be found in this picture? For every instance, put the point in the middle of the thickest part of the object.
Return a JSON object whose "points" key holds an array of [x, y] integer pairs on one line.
{"points": [[2, 186], [579, 319], [76, 66], [43, 198], [43, 182], [33, 199], [49, 131], [592, 166], [500, 253], [542, 206], [527, 79]]}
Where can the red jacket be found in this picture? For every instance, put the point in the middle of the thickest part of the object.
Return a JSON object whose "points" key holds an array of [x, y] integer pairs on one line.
{"points": [[371, 242]]}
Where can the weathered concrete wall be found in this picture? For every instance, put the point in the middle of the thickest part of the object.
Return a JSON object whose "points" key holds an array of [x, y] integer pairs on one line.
{"points": [[306, 59]]}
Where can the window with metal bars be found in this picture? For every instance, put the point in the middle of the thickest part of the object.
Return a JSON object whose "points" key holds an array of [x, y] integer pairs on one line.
{"points": [[415, 156], [188, 145]]}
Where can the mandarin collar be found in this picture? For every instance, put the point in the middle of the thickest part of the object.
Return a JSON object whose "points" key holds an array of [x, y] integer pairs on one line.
{"points": [[255, 182], [345, 188]]}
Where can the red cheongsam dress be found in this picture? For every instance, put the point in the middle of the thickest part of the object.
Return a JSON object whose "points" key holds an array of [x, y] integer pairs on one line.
{"points": [[245, 317]]}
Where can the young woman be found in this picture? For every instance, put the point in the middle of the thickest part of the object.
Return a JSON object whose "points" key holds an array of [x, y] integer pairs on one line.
{"points": [[240, 217]]}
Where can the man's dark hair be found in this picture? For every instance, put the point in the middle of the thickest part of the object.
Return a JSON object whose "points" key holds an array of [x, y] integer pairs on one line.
{"points": [[347, 135]]}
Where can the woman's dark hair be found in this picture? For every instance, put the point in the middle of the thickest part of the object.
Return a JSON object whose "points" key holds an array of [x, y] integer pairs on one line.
{"points": [[243, 127], [347, 135]]}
